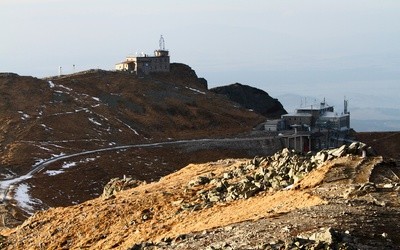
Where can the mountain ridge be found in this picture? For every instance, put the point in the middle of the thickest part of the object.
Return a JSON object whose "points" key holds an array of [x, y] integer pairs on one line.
{"points": [[252, 98]]}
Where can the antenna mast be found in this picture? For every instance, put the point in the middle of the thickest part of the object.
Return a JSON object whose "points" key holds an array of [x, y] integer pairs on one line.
{"points": [[162, 43]]}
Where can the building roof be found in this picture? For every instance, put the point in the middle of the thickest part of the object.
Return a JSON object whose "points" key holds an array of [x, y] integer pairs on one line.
{"points": [[298, 114], [315, 106], [329, 114], [125, 62], [272, 122]]}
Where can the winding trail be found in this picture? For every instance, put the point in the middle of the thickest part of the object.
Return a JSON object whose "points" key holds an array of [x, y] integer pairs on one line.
{"points": [[7, 185]]}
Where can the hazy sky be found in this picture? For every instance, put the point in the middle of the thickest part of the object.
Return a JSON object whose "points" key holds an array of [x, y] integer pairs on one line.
{"points": [[264, 43]]}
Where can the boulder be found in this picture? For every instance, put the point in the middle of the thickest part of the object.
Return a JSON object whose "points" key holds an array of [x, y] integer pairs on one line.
{"points": [[321, 156], [200, 180], [339, 152], [326, 235], [116, 185]]}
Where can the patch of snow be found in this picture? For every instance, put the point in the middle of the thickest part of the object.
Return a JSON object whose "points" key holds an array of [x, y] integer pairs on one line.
{"points": [[82, 109], [87, 160], [62, 86], [95, 106], [46, 149], [24, 116], [68, 165], [23, 199], [51, 84], [96, 98], [65, 113], [45, 127], [53, 172], [196, 90], [95, 122], [134, 131]]}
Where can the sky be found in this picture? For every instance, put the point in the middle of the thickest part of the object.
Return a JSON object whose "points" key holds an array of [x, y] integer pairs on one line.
{"points": [[293, 48]]}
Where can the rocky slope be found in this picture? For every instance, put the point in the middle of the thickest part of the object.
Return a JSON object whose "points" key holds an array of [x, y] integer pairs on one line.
{"points": [[47, 118], [252, 98], [335, 199]]}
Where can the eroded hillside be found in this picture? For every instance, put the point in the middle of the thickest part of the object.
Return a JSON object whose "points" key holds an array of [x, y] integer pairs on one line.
{"points": [[338, 199], [45, 119]]}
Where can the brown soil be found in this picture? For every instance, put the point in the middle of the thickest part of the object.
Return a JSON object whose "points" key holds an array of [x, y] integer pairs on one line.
{"points": [[118, 222], [386, 144]]}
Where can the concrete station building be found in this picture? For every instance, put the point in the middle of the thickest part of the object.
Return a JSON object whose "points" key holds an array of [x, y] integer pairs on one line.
{"points": [[144, 64], [314, 127]]}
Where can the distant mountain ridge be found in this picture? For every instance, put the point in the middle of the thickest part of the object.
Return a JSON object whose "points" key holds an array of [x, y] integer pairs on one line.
{"points": [[252, 98]]}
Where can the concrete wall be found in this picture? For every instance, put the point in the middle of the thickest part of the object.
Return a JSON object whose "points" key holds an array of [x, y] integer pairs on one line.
{"points": [[252, 146], [290, 120]]}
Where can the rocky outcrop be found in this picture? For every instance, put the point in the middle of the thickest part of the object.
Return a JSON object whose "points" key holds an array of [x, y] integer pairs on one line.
{"points": [[116, 185], [252, 98], [271, 173], [182, 73], [323, 238]]}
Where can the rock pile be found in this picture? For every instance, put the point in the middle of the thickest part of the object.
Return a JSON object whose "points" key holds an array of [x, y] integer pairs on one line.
{"points": [[355, 148], [324, 238], [271, 173], [116, 185]]}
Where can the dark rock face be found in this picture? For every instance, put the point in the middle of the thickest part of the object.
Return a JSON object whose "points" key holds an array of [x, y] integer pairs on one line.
{"points": [[252, 98], [182, 72]]}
